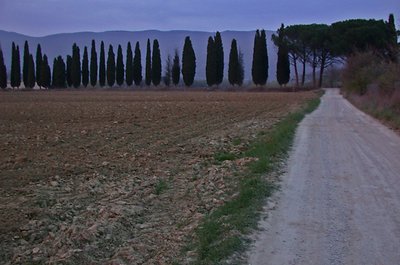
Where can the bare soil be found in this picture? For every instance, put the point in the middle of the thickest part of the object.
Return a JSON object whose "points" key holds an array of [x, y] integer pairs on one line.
{"points": [[119, 177]]}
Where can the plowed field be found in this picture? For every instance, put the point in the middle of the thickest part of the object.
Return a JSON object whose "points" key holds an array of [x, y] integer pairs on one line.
{"points": [[120, 177]]}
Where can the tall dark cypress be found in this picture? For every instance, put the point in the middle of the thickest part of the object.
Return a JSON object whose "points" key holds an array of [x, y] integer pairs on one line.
{"points": [[392, 29], [283, 64], [233, 69], [120, 67], [76, 66], [58, 73], [394, 47], [85, 68], [93, 64], [39, 59], [111, 67], [254, 67], [25, 64], [55, 73], [156, 64], [102, 66], [259, 69], [188, 62], [3, 71], [15, 67], [168, 71], [45, 78], [129, 65], [69, 70], [263, 58], [148, 64], [137, 65], [31, 72], [219, 59], [176, 69], [211, 63], [241, 69]]}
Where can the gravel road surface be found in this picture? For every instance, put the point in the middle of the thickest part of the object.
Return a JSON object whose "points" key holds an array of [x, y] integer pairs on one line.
{"points": [[340, 198]]}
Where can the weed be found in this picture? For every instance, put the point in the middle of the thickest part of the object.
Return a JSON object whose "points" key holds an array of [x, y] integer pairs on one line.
{"points": [[222, 156], [161, 186], [237, 141]]}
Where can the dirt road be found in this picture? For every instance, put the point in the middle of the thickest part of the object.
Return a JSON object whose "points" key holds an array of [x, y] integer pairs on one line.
{"points": [[340, 199]]}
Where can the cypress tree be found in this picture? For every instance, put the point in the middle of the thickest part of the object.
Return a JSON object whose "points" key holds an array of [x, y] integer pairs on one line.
{"points": [[241, 69], [254, 67], [393, 47], [264, 58], [120, 67], [156, 64], [392, 29], [55, 73], [76, 66], [61, 72], [168, 71], [69, 70], [3, 71], [58, 73], [283, 64], [25, 65], [102, 66], [85, 68], [233, 70], [176, 69], [211, 66], [188, 62], [148, 64], [15, 67], [39, 59], [31, 72], [219, 59], [45, 79], [137, 65], [129, 65], [259, 69], [93, 64], [111, 67]]}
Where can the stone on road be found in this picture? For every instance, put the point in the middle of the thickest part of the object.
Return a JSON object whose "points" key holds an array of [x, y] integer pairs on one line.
{"points": [[340, 198]]}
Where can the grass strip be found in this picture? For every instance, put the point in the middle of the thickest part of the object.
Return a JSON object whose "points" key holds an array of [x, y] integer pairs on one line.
{"points": [[222, 232]]}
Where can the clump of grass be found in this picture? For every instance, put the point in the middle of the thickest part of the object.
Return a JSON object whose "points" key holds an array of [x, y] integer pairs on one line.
{"points": [[221, 233], [160, 187], [223, 156], [236, 141]]}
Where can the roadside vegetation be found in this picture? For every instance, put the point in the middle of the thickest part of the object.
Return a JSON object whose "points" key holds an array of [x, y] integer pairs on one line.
{"points": [[223, 231], [372, 83]]}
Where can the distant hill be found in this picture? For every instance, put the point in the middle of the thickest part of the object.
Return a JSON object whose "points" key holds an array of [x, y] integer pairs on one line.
{"points": [[61, 44]]}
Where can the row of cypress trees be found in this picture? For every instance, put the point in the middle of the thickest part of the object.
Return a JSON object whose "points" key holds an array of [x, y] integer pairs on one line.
{"points": [[76, 71]]}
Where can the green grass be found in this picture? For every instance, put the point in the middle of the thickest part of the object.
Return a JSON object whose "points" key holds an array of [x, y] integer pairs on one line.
{"points": [[223, 156], [161, 186], [222, 232]]}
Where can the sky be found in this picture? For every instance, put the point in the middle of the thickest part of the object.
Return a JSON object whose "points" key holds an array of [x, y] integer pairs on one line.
{"points": [[45, 17]]}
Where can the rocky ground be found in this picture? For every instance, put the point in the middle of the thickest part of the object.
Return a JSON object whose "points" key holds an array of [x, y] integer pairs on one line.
{"points": [[120, 177]]}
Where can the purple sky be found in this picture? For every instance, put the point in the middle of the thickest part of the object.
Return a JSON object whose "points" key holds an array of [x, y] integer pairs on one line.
{"points": [[43, 17]]}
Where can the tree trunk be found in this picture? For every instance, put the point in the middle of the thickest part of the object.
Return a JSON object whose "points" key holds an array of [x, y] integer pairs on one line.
{"points": [[321, 72], [296, 72], [303, 77], [314, 66]]}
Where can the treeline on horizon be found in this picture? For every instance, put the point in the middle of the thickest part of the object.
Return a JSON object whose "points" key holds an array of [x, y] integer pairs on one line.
{"points": [[316, 45]]}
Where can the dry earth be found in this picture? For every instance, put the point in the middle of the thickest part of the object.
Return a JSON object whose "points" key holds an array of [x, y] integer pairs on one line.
{"points": [[340, 199], [119, 177]]}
